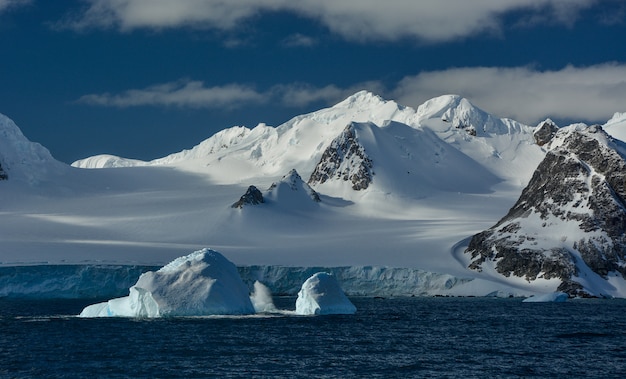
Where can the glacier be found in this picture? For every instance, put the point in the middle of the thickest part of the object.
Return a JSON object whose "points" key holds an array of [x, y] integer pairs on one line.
{"points": [[103, 281]]}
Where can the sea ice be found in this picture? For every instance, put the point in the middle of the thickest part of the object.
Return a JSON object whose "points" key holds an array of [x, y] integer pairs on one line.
{"points": [[322, 295], [201, 283], [554, 297]]}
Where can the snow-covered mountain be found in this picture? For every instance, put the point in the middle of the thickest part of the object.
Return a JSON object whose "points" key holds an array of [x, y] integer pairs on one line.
{"points": [[290, 191], [446, 136], [397, 187], [569, 223], [22, 160]]}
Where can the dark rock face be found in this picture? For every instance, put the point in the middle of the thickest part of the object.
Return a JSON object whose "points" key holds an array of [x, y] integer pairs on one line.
{"points": [[252, 197], [581, 183], [3, 174], [545, 132], [344, 159]]}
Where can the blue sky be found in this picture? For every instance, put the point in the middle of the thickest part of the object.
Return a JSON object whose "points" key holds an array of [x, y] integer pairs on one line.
{"points": [[145, 78]]}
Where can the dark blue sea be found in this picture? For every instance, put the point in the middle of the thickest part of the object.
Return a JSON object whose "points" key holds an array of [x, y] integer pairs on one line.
{"points": [[386, 338]]}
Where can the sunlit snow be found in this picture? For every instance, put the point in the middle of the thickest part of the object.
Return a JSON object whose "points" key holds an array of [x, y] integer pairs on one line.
{"points": [[434, 184]]}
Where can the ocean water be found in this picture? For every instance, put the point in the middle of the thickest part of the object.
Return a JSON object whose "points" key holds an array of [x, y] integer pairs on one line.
{"points": [[386, 338]]}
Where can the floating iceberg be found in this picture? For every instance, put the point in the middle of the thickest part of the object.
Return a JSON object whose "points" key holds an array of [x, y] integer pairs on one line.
{"points": [[322, 295], [201, 283], [555, 297]]}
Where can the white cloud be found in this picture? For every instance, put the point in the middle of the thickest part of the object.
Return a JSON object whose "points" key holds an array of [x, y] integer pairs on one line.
{"points": [[299, 40], [6, 4], [300, 95], [184, 93], [426, 20], [194, 94], [590, 94]]}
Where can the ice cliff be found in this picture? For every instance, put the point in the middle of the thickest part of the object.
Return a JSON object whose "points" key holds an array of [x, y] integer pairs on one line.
{"points": [[100, 281]]}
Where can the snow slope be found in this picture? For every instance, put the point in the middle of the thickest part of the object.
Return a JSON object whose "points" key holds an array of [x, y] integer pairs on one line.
{"points": [[616, 126], [441, 173], [22, 160]]}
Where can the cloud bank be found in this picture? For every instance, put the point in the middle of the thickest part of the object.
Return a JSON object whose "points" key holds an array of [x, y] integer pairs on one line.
{"points": [[183, 93], [7, 4], [590, 94], [426, 20]]}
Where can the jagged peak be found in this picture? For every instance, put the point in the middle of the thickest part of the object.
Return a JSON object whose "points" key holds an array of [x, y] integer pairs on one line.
{"points": [[252, 197], [344, 159], [547, 121], [566, 133], [545, 132]]}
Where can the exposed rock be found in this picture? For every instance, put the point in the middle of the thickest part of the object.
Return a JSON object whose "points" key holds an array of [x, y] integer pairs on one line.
{"points": [[545, 132], [572, 212], [252, 197], [3, 174], [344, 159]]}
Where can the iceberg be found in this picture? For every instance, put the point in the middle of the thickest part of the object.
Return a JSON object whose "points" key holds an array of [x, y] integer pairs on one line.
{"points": [[201, 283], [322, 295], [555, 297]]}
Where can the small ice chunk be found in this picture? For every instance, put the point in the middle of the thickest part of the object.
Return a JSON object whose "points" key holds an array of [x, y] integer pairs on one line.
{"points": [[555, 297], [322, 295]]}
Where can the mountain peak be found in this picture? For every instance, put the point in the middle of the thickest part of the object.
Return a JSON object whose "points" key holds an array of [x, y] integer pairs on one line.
{"points": [[20, 157], [437, 106], [289, 185], [570, 218], [545, 131], [252, 197], [344, 159], [361, 98]]}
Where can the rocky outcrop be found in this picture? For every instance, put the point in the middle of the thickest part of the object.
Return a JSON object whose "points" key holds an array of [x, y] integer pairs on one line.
{"points": [[289, 190], [252, 197], [571, 214], [344, 159], [545, 132], [3, 174]]}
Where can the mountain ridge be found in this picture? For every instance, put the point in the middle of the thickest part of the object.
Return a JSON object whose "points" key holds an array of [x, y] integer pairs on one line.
{"points": [[426, 178], [569, 223]]}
